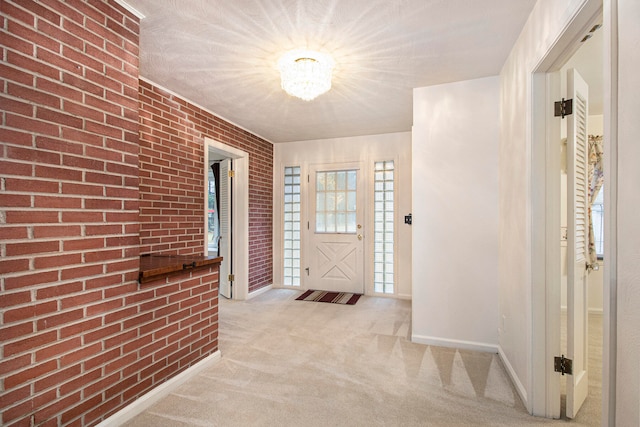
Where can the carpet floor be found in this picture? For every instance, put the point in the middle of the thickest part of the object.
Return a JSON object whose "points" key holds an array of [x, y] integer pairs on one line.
{"points": [[290, 364]]}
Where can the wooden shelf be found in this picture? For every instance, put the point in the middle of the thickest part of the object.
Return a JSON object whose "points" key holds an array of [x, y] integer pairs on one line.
{"points": [[154, 267]]}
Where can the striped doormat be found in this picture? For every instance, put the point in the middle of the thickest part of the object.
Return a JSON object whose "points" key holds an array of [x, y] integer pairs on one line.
{"points": [[332, 297]]}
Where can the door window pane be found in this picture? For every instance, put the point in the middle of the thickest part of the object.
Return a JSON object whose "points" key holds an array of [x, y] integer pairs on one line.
{"points": [[336, 201]]}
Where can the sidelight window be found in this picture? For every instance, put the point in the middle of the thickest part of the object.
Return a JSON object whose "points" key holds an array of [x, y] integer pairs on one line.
{"points": [[291, 226], [383, 213]]}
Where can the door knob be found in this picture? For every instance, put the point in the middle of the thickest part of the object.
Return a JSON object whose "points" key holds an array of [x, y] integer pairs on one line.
{"points": [[359, 236]]}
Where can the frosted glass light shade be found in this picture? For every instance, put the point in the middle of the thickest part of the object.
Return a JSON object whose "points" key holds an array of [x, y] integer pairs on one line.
{"points": [[305, 74]]}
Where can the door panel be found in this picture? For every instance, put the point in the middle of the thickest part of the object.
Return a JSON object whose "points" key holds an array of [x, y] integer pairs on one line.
{"points": [[577, 242], [225, 228], [335, 229]]}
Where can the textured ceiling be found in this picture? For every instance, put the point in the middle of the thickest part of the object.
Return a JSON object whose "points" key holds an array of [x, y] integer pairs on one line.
{"points": [[222, 55]]}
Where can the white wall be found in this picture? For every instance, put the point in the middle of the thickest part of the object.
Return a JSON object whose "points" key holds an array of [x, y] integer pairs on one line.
{"points": [[627, 274], [367, 150], [455, 214], [596, 124], [542, 30]]}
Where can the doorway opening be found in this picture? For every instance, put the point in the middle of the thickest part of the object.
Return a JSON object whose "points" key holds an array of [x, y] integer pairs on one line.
{"points": [[220, 217], [585, 67], [226, 215], [548, 265]]}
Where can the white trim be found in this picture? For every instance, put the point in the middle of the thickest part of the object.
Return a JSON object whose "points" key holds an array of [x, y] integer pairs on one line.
{"points": [[259, 292], [610, 276], [407, 297], [240, 220], [545, 250], [202, 108], [458, 344], [153, 396], [131, 9], [277, 239], [522, 391]]}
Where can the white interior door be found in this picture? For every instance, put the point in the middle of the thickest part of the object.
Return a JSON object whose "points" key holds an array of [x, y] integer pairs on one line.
{"points": [[225, 228], [577, 242], [336, 234]]}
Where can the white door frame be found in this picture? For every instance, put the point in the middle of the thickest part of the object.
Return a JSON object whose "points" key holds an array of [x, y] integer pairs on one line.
{"points": [[545, 218], [240, 216]]}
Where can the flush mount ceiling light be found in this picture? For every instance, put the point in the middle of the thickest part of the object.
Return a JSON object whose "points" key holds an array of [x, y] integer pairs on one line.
{"points": [[305, 74]]}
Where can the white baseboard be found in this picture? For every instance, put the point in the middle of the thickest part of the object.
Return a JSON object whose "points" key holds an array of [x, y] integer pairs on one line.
{"points": [[459, 344], [153, 396], [514, 378], [259, 292]]}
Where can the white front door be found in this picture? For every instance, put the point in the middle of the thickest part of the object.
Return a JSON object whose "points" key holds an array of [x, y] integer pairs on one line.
{"points": [[577, 242], [335, 229]]}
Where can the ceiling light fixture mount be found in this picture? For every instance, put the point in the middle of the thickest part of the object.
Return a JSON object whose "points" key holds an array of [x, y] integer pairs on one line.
{"points": [[305, 74]]}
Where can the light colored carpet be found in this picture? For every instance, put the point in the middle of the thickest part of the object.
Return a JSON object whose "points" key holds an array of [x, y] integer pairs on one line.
{"points": [[296, 363]]}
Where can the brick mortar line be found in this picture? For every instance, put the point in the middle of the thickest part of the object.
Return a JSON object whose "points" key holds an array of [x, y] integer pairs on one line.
{"points": [[60, 81], [74, 168], [63, 109], [82, 389], [12, 275], [102, 316], [125, 15], [105, 338], [67, 252]]}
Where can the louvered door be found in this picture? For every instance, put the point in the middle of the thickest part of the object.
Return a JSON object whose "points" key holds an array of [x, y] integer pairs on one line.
{"points": [[577, 242], [225, 228]]}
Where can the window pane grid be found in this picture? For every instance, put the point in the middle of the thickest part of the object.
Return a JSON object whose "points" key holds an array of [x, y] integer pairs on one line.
{"points": [[291, 253], [383, 213], [336, 201]]}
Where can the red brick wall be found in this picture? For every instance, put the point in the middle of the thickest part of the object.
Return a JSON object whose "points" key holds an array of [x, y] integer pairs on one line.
{"points": [[172, 133], [79, 338]]}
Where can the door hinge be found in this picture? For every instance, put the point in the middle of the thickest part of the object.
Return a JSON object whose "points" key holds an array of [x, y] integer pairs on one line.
{"points": [[232, 174], [563, 365], [231, 278], [563, 108]]}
